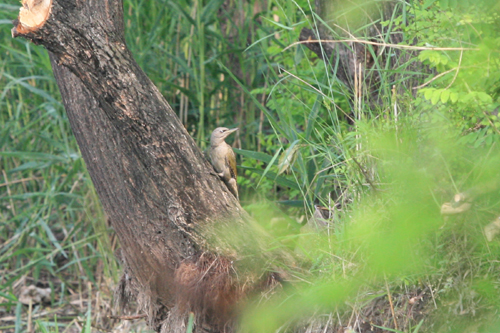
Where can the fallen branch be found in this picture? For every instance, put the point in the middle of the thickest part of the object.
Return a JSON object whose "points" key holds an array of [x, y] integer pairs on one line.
{"points": [[395, 46]]}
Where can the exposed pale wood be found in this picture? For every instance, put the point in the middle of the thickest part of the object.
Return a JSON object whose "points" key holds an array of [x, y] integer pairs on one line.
{"points": [[32, 15]]}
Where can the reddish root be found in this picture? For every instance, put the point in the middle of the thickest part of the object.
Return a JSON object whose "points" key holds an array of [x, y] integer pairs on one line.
{"points": [[209, 289]]}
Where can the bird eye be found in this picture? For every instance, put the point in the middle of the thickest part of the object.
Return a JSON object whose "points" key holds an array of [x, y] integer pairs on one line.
{"points": [[222, 131]]}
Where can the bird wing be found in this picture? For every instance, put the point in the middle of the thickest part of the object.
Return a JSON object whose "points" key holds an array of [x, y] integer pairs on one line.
{"points": [[231, 163]]}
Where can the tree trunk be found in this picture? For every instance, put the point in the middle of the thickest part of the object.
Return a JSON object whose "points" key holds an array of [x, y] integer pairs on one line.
{"points": [[153, 182]]}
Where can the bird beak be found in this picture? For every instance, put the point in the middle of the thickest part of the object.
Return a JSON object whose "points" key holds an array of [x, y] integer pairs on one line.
{"points": [[232, 130]]}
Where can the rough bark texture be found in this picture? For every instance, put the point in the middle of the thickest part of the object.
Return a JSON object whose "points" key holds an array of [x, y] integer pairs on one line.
{"points": [[154, 183], [358, 68]]}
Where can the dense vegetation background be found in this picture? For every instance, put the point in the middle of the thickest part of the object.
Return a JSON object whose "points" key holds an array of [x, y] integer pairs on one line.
{"points": [[377, 175]]}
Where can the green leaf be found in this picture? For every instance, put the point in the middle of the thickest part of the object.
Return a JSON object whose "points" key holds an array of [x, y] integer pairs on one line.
{"points": [[261, 90], [210, 9], [287, 160], [72, 262], [8, 296], [22, 82], [41, 327], [18, 321], [33, 156], [52, 238], [277, 23], [311, 120], [88, 323], [445, 95], [190, 326], [269, 165], [428, 93], [292, 203], [254, 155], [435, 96], [453, 97], [428, 3], [443, 59], [31, 166], [424, 55], [387, 329], [484, 97], [175, 5], [13, 8], [274, 177], [417, 328]]}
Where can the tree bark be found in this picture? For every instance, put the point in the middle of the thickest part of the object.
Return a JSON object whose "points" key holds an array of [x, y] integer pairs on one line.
{"points": [[153, 182]]}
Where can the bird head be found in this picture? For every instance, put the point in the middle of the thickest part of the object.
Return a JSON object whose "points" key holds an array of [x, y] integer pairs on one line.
{"points": [[219, 134]]}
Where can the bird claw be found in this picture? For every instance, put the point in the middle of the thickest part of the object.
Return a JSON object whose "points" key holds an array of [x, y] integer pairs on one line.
{"points": [[220, 175]]}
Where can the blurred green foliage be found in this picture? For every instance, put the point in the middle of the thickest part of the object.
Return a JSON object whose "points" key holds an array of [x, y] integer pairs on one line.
{"points": [[466, 91]]}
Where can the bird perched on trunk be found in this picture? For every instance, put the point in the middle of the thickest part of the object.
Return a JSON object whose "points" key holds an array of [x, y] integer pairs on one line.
{"points": [[223, 158]]}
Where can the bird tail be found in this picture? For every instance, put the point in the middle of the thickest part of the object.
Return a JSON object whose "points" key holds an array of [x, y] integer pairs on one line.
{"points": [[233, 187]]}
